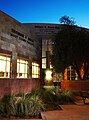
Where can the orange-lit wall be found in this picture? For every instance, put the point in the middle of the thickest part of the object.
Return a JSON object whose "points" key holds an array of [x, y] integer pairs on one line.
{"points": [[75, 85]]}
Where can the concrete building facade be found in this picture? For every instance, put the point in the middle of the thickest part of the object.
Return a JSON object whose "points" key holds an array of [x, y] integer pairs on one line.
{"points": [[25, 51], [46, 32], [18, 57]]}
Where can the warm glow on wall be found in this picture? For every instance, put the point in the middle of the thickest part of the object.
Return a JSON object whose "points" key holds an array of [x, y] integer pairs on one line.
{"points": [[48, 75]]}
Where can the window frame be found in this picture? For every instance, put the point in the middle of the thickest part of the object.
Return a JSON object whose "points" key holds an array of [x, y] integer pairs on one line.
{"points": [[35, 70], [6, 60], [25, 65], [44, 63]]}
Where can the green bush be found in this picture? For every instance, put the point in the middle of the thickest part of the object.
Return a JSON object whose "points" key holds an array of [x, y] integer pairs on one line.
{"points": [[1, 107], [8, 104], [36, 105], [22, 105], [66, 97], [47, 95], [34, 102]]}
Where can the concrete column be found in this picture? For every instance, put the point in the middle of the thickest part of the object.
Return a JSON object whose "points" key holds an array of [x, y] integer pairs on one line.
{"points": [[48, 59], [30, 68], [14, 64]]}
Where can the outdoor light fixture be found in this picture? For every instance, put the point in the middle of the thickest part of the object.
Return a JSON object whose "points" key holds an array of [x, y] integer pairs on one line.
{"points": [[48, 75]]}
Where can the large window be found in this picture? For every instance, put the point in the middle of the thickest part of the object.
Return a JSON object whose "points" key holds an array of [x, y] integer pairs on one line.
{"points": [[22, 68], [44, 63], [35, 70], [5, 66], [71, 74]]}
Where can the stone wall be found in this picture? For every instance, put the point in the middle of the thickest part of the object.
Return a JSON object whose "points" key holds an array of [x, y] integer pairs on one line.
{"points": [[16, 41], [15, 37], [10, 86]]}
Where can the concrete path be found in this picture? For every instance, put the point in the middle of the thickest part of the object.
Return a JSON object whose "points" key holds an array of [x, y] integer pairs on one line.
{"points": [[69, 112], [20, 119]]}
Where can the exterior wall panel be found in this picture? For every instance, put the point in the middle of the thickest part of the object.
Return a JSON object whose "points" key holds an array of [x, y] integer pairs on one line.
{"points": [[17, 41], [15, 86]]}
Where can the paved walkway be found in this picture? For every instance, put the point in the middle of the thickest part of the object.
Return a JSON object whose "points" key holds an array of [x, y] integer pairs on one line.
{"points": [[79, 111], [69, 112]]}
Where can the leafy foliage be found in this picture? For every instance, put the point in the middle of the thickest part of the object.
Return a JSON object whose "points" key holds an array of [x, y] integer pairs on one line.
{"points": [[36, 106], [67, 97], [67, 20], [22, 105], [32, 103], [70, 47], [46, 94]]}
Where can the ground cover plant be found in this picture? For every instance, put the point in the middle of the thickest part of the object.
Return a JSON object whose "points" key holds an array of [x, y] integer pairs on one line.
{"points": [[30, 105], [20, 106]]}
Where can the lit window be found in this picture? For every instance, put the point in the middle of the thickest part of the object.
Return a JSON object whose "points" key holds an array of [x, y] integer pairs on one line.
{"points": [[35, 70], [44, 63], [22, 66], [4, 66], [71, 74]]}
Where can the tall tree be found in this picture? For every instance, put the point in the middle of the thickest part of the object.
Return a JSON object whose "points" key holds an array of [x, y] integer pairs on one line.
{"points": [[67, 20], [71, 47]]}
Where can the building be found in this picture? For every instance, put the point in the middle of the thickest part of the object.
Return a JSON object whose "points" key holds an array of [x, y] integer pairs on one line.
{"points": [[25, 51], [19, 66], [46, 32]]}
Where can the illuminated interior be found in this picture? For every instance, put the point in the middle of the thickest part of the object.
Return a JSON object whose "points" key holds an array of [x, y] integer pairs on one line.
{"points": [[71, 74], [22, 66], [35, 70], [4, 66], [44, 63]]}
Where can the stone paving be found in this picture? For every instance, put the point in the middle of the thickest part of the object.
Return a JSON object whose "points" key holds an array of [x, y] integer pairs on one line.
{"points": [[20, 119], [69, 112], [79, 111]]}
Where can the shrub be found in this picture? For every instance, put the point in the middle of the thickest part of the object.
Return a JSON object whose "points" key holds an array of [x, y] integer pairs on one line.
{"points": [[36, 105], [8, 104], [1, 107], [34, 102], [22, 105], [66, 97], [47, 95]]}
